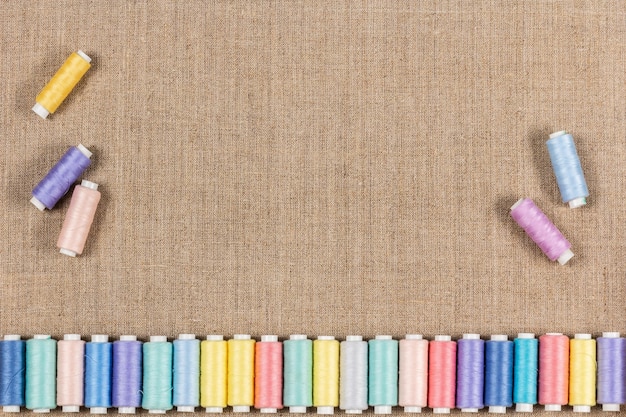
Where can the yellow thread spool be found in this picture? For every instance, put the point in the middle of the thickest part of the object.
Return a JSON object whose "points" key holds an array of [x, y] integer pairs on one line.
{"points": [[62, 83], [325, 374], [241, 373], [213, 373], [582, 373]]}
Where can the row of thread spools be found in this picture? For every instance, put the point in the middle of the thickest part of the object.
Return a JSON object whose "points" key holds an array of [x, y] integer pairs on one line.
{"points": [[468, 374]]}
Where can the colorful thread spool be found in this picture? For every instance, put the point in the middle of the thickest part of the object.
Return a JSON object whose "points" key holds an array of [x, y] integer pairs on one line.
{"points": [[41, 369], [611, 371], [79, 218], [241, 373], [186, 375], [98, 369], [499, 374], [213, 373], [298, 373], [126, 375], [157, 375], [441, 374], [70, 372], [541, 230], [325, 374], [525, 372], [353, 375], [413, 373], [268, 374], [61, 84], [582, 373], [553, 371], [567, 169], [383, 374], [12, 373], [60, 178], [470, 373]]}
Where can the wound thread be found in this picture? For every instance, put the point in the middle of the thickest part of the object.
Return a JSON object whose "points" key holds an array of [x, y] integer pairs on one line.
{"points": [[79, 218], [126, 376], [41, 373], [241, 373], [186, 373], [470, 373], [582, 373], [567, 169], [325, 374], [12, 373], [413, 373], [383, 374], [525, 372], [611, 371], [98, 372], [541, 230], [298, 373], [70, 372], [157, 375], [553, 371], [268, 374], [213, 373], [498, 373], [61, 84], [353, 373], [441, 374]]}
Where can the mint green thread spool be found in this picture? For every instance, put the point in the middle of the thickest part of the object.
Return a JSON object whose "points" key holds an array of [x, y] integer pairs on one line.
{"points": [[298, 373], [157, 375], [383, 374], [41, 369]]}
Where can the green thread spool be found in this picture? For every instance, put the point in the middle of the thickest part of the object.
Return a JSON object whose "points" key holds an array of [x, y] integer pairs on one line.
{"points": [[41, 369], [298, 373], [383, 374], [157, 375]]}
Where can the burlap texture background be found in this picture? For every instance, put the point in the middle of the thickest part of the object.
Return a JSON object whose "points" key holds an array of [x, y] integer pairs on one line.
{"points": [[315, 167]]}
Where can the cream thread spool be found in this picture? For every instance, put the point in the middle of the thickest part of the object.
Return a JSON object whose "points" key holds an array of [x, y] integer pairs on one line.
{"points": [[79, 218]]}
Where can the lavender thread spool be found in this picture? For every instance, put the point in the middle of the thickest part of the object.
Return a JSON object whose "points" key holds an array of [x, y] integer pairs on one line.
{"points": [[60, 178], [611, 371], [470, 370]]}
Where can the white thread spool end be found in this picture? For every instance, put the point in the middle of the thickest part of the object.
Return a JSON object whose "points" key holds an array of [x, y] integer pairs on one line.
{"points": [[71, 337], [499, 338], [354, 338], [554, 334], [40, 111], [41, 410], [297, 409], [84, 56], [156, 411], [441, 410], [582, 409], [89, 184], [608, 335], [497, 409], [611, 407], [382, 409], [412, 409], [99, 338], [35, 202], [71, 408], [523, 407], [414, 337], [83, 149], [126, 410], [525, 336], [565, 257], [67, 252], [186, 336], [185, 408], [41, 336], [469, 410], [577, 202], [325, 410], [214, 338], [552, 407], [471, 336], [98, 410], [241, 337], [268, 410], [517, 203], [11, 408], [241, 408], [297, 337], [354, 411], [383, 337], [325, 338], [128, 338], [557, 134], [270, 338], [12, 337], [443, 338], [158, 339], [214, 410], [582, 336]]}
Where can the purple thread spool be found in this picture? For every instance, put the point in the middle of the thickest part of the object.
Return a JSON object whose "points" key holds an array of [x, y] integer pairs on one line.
{"points": [[60, 178], [611, 371], [127, 375], [470, 373], [541, 230]]}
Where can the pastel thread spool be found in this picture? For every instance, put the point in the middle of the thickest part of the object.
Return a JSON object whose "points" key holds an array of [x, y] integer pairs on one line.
{"points": [[98, 372], [542, 231], [470, 373], [61, 84], [525, 372], [582, 373], [60, 178], [213, 373], [383, 374], [12, 373], [298, 373], [325, 374], [41, 370], [611, 371], [441, 374], [79, 218], [553, 371], [186, 375], [353, 375], [241, 373], [70, 372], [567, 169], [499, 374], [126, 375], [413, 373], [157, 375], [268, 374]]}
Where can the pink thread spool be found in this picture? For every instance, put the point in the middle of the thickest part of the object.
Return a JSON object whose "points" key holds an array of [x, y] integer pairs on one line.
{"points": [[553, 371], [541, 230], [441, 374], [413, 377], [70, 372], [268, 374], [79, 218]]}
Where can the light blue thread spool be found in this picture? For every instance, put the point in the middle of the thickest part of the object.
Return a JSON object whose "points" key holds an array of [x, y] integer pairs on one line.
{"points": [[498, 374], [98, 368], [41, 367], [298, 373], [157, 375], [525, 372], [567, 169], [383, 374], [186, 394], [353, 375]]}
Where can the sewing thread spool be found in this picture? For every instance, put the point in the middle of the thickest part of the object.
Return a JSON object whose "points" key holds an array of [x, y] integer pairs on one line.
{"points": [[582, 373], [525, 372], [268, 374], [157, 375], [241, 373], [98, 368], [60, 178], [79, 218], [413, 373], [70, 372], [353, 375], [12, 373], [553, 371], [499, 374], [567, 169], [441, 374], [61, 84], [41, 367], [213, 373], [298, 373], [383, 374], [542, 231], [470, 373], [126, 375], [186, 375], [611, 371], [325, 374]]}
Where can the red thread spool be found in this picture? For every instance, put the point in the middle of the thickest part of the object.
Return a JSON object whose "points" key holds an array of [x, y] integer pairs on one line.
{"points": [[79, 218], [268, 374], [553, 371], [441, 374]]}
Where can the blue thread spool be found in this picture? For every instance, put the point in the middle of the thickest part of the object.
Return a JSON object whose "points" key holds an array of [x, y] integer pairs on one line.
{"points": [[382, 384], [498, 374], [12, 373], [567, 169], [611, 371], [470, 379], [126, 375], [186, 394], [298, 373], [353, 375], [41, 367], [157, 375], [525, 372], [98, 368]]}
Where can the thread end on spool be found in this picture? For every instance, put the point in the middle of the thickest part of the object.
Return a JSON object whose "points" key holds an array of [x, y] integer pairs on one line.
{"points": [[40, 111], [84, 56], [214, 410], [412, 409], [382, 409], [68, 252], [524, 408], [582, 409], [297, 409], [71, 409], [35, 202], [98, 410], [327, 410], [565, 257], [497, 409], [577, 202], [11, 409], [610, 407]]}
